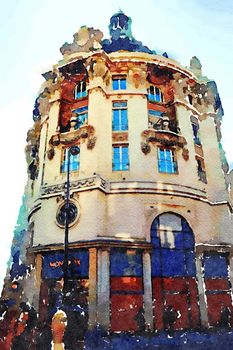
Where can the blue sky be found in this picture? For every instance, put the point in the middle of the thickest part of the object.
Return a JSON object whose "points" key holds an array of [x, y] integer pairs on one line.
{"points": [[32, 31]]}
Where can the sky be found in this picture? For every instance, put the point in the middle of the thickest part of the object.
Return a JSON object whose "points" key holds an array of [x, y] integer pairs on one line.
{"points": [[31, 33]]}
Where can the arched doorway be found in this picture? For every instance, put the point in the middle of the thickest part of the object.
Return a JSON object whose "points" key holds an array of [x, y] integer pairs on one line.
{"points": [[173, 271]]}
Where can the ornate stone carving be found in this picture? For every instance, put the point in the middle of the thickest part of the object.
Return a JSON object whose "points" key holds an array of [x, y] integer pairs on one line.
{"points": [[85, 40], [185, 154], [96, 67], [164, 137], [91, 142], [120, 136], [145, 147], [75, 137], [88, 182], [51, 153], [138, 76]]}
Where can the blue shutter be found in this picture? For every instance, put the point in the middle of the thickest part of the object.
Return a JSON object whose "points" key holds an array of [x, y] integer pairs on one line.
{"points": [[123, 84], [116, 121], [125, 158], [116, 158], [124, 119], [115, 84]]}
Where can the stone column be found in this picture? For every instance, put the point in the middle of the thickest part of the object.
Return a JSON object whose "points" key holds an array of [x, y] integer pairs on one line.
{"points": [[201, 291], [103, 289], [148, 305], [92, 287]]}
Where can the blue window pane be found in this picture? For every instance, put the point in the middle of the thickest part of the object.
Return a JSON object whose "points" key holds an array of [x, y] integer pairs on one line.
{"points": [[179, 239], [115, 84], [125, 263], [156, 263], [188, 240], [116, 120], [215, 265], [124, 119], [168, 155], [119, 104], [123, 84], [162, 166], [173, 262], [161, 154], [155, 113], [120, 158], [190, 264], [151, 97]]}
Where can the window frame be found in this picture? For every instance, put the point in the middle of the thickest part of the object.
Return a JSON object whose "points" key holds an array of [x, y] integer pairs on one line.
{"points": [[121, 126], [83, 112], [122, 167], [83, 93], [173, 162], [119, 79], [156, 93]]}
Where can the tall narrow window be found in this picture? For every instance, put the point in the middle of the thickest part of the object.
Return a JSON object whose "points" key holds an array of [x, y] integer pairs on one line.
{"points": [[119, 83], [120, 158], [74, 161], [166, 161], [201, 169], [81, 115], [195, 127], [119, 116], [155, 94], [80, 90]]}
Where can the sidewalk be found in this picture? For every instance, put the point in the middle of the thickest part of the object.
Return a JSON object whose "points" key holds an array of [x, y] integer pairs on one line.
{"points": [[189, 340]]}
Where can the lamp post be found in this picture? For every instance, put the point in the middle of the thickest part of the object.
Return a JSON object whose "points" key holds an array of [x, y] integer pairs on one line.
{"points": [[74, 150]]}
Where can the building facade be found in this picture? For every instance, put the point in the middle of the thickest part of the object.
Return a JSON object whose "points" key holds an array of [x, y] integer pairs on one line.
{"points": [[150, 214]]}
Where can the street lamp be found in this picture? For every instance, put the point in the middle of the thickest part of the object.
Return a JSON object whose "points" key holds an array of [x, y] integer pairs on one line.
{"points": [[74, 150]]}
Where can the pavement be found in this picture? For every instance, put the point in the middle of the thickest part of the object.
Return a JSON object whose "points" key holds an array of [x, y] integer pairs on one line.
{"points": [[182, 340]]}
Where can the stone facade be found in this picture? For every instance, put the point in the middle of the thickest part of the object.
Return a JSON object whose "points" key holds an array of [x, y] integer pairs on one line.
{"points": [[149, 186]]}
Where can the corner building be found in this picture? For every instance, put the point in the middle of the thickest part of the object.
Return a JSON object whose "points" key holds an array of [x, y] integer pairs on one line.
{"points": [[150, 212]]}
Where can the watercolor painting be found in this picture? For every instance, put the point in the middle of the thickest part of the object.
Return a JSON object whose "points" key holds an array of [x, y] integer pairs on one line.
{"points": [[124, 236]]}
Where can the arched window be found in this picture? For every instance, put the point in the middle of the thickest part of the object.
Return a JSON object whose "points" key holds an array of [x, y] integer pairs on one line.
{"points": [[173, 271], [173, 247]]}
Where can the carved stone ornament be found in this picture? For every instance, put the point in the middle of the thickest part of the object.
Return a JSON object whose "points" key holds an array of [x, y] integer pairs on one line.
{"points": [[73, 136], [145, 147], [138, 76], [120, 137], [185, 154], [166, 138], [85, 40], [51, 153], [91, 142], [96, 67]]}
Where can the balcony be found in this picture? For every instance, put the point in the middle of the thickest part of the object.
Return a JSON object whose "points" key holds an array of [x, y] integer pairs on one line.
{"points": [[74, 136], [163, 131]]}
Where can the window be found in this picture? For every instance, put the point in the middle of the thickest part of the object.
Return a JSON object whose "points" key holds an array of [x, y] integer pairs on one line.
{"points": [[173, 247], [74, 161], [81, 115], [155, 94], [80, 90], [120, 158], [195, 127], [166, 161], [201, 169], [119, 83], [119, 116]]}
